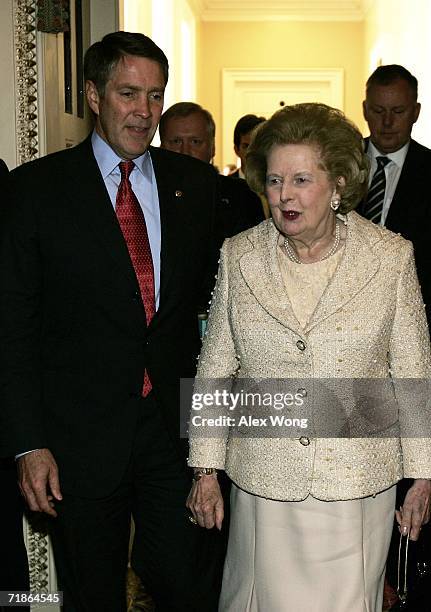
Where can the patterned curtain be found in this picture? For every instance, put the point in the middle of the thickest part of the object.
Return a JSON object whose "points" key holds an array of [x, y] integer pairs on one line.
{"points": [[53, 16]]}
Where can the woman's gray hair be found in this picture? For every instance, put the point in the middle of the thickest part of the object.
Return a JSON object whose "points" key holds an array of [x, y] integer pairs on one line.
{"points": [[337, 140]]}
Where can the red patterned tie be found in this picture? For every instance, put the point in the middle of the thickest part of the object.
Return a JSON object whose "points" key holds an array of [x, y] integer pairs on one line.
{"points": [[132, 223]]}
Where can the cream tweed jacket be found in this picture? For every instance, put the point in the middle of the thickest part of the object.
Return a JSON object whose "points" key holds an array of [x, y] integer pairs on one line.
{"points": [[369, 323]]}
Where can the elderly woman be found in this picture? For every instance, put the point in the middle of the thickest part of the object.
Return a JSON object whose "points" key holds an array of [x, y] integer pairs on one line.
{"points": [[316, 292]]}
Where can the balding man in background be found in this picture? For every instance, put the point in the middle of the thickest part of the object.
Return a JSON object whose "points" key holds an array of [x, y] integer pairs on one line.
{"points": [[189, 129]]}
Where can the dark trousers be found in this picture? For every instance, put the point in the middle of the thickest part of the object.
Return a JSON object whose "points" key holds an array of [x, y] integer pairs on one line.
{"points": [[179, 564], [14, 565]]}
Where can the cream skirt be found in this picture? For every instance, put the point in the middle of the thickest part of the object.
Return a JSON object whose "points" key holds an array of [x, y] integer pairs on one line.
{"points": [[311, 556]]}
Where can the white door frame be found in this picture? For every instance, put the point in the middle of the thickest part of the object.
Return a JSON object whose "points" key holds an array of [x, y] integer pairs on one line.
{"points": [[234, 78]]}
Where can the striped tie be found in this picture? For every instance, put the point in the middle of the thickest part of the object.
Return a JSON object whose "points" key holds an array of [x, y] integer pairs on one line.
{"points": [[376, 193]]}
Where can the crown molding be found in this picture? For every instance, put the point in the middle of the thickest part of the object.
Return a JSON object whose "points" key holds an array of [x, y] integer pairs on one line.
{"points": [[280, 10]]}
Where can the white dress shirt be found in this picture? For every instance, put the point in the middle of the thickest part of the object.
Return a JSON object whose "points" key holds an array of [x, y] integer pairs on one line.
{"points": [[144, 185]]}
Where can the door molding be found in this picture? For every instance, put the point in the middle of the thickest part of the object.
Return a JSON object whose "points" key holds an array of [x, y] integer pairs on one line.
{"points": [[235, 79]]}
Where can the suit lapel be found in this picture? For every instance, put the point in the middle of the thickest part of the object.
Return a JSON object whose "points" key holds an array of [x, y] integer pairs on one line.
{"points": [[94, 211], [404, 192], [357, 267], [412, 172], [171, 193], [261, 271]]}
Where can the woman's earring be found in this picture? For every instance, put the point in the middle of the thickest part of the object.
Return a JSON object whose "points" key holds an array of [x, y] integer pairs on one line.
{"points": [[335, 204]]}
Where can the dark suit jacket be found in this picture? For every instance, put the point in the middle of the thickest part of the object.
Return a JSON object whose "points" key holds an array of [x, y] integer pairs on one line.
{"points": [[410, 212], [238, 207], [234, 175], [14, 573], [3, 170], [74, 339]]}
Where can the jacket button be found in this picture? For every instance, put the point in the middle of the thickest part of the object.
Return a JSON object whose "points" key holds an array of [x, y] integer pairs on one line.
{"points": [[136, 296], [304, 441], [302, 392], [301, 345]]}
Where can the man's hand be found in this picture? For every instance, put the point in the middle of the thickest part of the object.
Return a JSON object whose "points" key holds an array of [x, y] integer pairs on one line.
{"points": [[38, 480], [415, 510], [205, 502]]}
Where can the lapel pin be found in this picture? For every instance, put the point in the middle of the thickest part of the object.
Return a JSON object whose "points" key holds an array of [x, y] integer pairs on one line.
{"points": [[178, 194]]}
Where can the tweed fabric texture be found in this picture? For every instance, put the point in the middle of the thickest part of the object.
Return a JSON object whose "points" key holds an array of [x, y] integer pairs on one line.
{"points": [[369, 323], [305, 284]]}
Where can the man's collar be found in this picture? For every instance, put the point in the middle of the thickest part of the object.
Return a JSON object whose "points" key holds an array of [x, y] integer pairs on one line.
{"points": [[397, 157], [108, 160]]}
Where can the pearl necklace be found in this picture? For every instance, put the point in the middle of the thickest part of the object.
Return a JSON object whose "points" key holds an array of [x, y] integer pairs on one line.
{"points": [[294, 257]]}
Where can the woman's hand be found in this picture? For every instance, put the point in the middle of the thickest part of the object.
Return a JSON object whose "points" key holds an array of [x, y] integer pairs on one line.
{"points": [[415, 511], [205, 502]]}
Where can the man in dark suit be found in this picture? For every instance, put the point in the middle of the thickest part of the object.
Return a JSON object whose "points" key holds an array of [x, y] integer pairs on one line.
{"points": [[400, 200], [103, 252], [14, 570], [391, 109], [188, 128]]}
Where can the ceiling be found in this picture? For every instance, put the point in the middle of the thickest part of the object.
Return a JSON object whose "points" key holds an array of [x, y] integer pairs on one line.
{"points": [[280, 10]]}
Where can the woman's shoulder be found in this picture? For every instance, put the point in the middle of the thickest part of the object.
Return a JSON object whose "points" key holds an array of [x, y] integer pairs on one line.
{"points": [[254, 236], [379, 238]]}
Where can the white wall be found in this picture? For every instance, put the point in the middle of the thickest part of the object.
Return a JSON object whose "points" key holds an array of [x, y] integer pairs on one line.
{"points": [[398, 32]]}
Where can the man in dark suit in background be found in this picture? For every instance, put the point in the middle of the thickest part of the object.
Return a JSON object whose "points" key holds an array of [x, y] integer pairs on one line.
{"points": [[399, 199], [242, 136], [188, 128], [103, 252], [14, 568], [391, 109]]}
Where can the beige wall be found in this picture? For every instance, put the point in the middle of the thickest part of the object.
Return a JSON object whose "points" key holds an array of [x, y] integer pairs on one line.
{"points": [[280, 45], [398, 32], [199, 51]]}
